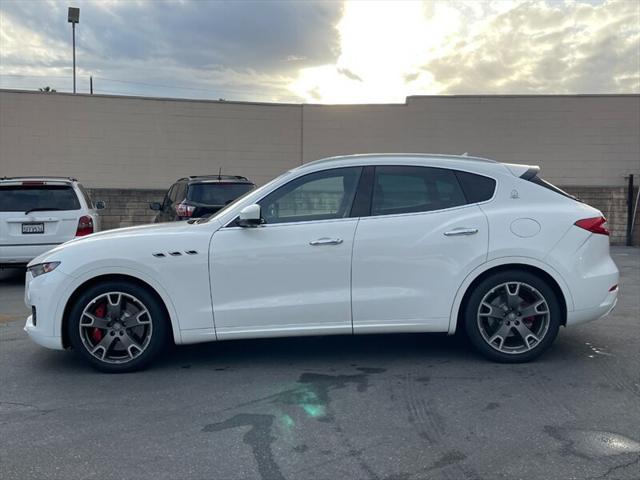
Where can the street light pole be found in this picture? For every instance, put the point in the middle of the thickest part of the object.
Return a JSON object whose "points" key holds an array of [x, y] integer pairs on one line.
{"points": [[73, 18], [73, 29]]}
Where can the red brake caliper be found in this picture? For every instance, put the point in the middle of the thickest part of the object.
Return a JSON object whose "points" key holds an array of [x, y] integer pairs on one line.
{"points": [[96, 333]]}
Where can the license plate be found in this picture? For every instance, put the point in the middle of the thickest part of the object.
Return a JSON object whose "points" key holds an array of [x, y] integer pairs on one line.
{"points": [[28, 228]]}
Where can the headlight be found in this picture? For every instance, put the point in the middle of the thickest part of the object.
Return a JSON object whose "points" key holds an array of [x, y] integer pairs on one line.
{"points": [[41, 268]]}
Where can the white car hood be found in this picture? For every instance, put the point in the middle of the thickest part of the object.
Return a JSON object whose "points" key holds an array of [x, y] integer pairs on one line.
{"points": [[152, 230]]}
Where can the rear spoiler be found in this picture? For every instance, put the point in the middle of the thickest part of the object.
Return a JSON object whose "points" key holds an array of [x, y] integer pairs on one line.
{"points": [[526, 172]]}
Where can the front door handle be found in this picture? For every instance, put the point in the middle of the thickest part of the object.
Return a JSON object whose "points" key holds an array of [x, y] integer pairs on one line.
{"points": [[461, 231], [326, 241]]}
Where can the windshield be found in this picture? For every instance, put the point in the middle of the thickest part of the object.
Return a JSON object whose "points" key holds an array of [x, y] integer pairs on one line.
{"points": [[217, 193], [24, 198]]}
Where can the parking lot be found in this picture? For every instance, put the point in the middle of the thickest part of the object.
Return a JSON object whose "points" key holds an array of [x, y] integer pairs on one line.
{"points": [[372, 407]]}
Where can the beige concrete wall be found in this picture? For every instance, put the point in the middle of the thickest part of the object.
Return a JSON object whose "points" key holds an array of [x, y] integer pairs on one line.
{"points": [[578, 140], [139, 143], [121, 142]]}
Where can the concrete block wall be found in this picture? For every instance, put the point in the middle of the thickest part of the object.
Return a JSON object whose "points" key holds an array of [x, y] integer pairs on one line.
{"points": [[128, 207], [612, 202]]}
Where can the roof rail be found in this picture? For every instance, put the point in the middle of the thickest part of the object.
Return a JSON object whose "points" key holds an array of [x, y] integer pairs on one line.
{"points": [[465, 157], [40, 177], [221, 177]]}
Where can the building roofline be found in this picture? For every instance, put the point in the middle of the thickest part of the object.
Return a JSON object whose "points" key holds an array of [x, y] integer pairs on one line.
{"points": [[304, 104]]}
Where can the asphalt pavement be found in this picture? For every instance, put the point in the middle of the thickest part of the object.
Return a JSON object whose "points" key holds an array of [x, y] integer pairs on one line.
{"points": [[393, 407]]}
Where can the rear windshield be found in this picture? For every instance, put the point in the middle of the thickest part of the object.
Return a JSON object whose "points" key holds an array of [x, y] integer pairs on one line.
{"points": [[217, 194], [22, 198], [543, 183]]}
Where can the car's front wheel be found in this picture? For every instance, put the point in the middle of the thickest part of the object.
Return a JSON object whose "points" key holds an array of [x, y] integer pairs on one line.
{"points": [[512, 316], [117, 326]]}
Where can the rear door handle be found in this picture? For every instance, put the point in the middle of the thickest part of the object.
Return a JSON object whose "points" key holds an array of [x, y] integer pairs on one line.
{"points": [[461, 231], [326, 241]]}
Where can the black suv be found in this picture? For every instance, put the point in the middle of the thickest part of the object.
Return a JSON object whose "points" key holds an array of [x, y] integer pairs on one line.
{"points": [[200, 196]]}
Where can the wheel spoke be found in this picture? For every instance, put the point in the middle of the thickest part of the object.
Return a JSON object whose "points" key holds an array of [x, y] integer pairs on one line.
{"points": [[142, 318], [513, 295], [90, 320], [501, 335], [129, 344], [532, 310], [114, 308], [528, 337], [493, 311], [104, 345]]}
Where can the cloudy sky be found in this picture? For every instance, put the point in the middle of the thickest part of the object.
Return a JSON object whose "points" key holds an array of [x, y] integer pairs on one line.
{"points": [[323, 52]]}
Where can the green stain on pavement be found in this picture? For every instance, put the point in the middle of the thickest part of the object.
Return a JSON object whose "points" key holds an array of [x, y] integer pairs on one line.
{"points": [[314, 410], [287, 422]]}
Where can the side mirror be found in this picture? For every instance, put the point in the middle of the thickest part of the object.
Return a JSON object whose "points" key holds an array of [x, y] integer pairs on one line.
{"points": [[100, 205], [250, 216], [155, 206]]}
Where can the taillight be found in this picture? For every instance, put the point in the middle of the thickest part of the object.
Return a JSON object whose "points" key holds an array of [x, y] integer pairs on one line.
{"points": [[184, 209], [594, 225], [85, 226]]}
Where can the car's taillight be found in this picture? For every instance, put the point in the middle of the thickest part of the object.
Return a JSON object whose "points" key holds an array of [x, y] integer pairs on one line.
{"points": [[85, 226], [594, 225], [184, 209]]}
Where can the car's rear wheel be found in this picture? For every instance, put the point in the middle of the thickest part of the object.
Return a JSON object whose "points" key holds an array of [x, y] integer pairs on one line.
{"points": [[512, 316], [117, 326]]}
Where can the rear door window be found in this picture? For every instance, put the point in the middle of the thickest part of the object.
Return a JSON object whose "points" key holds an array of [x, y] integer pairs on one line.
{"points": [[22, 198], [409, 189]]}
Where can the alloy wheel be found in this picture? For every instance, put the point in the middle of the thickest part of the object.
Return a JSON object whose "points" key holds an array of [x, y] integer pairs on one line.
{"points": [[513, 317], [115, 327]]}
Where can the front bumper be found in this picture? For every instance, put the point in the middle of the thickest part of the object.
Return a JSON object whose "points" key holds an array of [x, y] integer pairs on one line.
{"points": [[44, 292], [38, 336]]}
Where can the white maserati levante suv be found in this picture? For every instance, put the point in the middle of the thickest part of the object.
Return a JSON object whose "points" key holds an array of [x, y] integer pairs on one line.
{"points": [[347, 245]]}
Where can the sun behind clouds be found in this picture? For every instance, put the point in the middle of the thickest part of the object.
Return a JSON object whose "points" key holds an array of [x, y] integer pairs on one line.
{"points": [[389, 50]]}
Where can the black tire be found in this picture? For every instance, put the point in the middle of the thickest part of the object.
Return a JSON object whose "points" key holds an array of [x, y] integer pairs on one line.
{"points": [[156, 325], [474, 330]]}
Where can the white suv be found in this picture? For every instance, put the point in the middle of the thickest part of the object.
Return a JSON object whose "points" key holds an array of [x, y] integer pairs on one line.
{"points": [[39, 213], [349, 245]]}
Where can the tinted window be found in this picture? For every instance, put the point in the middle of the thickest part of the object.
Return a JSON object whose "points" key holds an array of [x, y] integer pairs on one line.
{"points": [[21, 198], [217, 194], [317, 196], [476, 187], [180, 193], [400, 189], [170, 197]]}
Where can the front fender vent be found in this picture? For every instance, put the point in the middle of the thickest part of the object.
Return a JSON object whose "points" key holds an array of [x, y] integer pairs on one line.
{"points": [[174, 254]]}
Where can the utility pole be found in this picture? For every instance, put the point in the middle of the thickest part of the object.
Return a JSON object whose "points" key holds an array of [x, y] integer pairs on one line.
{"points": [[73, 18], [91, 84]]}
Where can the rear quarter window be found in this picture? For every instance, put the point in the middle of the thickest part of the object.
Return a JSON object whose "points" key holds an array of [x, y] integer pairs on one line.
{"points": [[21, 198], [477, 188]]}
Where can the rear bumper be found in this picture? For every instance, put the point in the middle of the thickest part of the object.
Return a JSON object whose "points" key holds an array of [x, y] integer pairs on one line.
{"points": [[594, 313], [38, 336], [15, 255]]}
